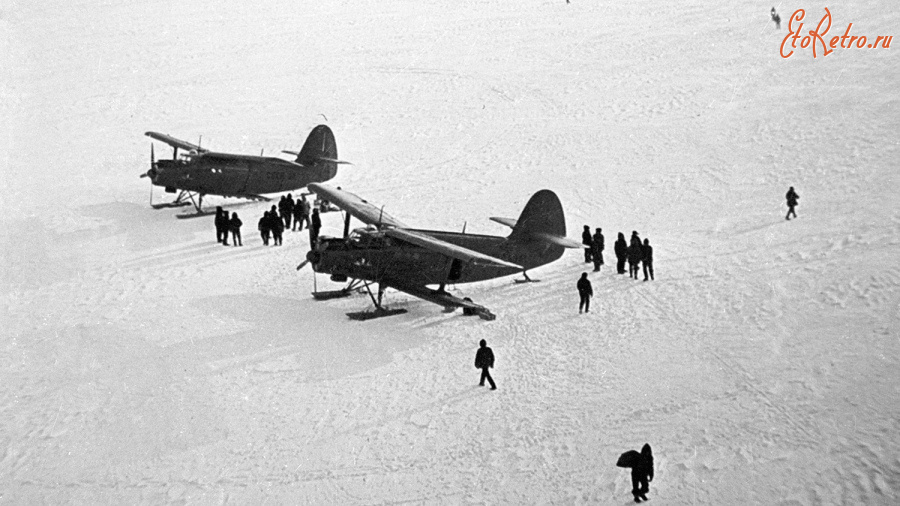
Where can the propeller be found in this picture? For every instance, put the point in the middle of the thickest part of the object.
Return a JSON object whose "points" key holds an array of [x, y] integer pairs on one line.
{"points": [[152, 172]]}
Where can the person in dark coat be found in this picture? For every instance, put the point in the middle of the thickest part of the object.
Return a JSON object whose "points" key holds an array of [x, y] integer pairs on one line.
{"points": [[585, 291], [235, 226], [621, 248], [647, 258], [776, 18], [304, 211], [221, 226], [791, 197], [642, 474], [597, 246], [288, 211], [588, 242], [635, 252], [264, 228], [298, 216], [314, 227], [277, 227], [281, 208], [484, 360]]}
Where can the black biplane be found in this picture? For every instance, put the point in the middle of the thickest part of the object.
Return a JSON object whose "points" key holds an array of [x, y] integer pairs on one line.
{"points": [[199, 171], [390, 254]]}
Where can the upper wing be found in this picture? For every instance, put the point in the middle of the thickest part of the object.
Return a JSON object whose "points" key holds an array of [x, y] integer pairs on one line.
{"points": [[176, 143], [451, 250], [357, 207]]}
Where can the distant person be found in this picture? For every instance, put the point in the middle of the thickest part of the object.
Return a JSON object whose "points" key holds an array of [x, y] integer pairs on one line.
{"points": [[304, 211], [585, 292], [588, 242], [235, 226], [791, 197], [484, 360], [642, 474], [298, 216], [288, 211], [621, 249], [264, 228], [776, 18], [647, 259], [314, 227], [597, 246], [635, 252], [277, 228], [282, 210], [221, 226]]}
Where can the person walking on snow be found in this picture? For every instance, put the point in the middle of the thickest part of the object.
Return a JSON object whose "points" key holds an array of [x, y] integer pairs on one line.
{"points": [[288, 211], [264, 228], [621, 249], [585, 291], [314, 228], [221, 226], [642, 474], [634, 255], [791, 197], [235, 226], [484, 360], [647, 259], [597, 246], [304, 212], [588, 242]]}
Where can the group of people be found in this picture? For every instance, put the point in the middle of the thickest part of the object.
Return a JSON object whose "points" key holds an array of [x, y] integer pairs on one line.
{"points": [[635, 253], [287, 215], [226, 225], [271, 226], [294, 214]]}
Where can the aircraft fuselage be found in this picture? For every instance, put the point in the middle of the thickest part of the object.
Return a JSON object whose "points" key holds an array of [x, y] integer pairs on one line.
{"points": [[238, 175], [379, 258]]}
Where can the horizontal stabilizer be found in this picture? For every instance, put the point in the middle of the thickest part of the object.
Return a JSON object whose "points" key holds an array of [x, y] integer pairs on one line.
{"points": [[319, 158], [333, 160], [445, 248], [565, 242], [509, 222]]}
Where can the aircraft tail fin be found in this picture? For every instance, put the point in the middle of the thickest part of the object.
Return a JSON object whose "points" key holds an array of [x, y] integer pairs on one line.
{"points": [[543, 215], [319, 148], [542, 227]]}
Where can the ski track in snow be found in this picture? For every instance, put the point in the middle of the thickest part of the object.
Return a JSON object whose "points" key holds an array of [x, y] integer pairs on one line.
{"points": [[143, 363]]}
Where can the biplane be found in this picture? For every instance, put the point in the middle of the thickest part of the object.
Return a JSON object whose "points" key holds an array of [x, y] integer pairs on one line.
{"points": [[199, 171], [388, 253]]}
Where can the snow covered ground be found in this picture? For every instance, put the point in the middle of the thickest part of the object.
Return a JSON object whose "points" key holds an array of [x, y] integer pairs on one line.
{"points": [[140, 362]]}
